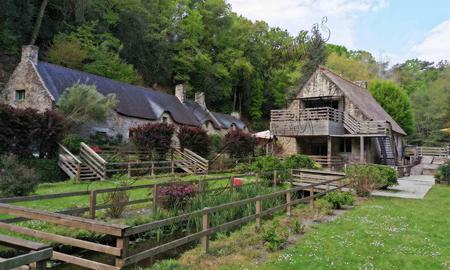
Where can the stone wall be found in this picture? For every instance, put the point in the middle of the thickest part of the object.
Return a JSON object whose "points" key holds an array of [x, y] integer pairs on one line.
{"points": [[25, 77]]}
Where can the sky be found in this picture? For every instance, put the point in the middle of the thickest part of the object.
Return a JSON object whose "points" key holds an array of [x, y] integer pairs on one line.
{"points": [[392, 30]]}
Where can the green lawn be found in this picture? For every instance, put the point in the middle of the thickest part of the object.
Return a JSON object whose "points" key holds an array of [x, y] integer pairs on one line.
{"points": [[382, 233]]}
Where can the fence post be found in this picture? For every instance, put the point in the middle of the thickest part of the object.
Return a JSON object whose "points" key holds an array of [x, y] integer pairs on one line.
{"points": [[77, 177], [341, 183], [172, 166], [231, 183], [205, 238], [195, 168], [292, 178], [122, 243], [258, 214], [311, 197], [153, 168], [155, 198], [257, 178], [92, 203], [288, 203], [275, 175], [129, 170]]}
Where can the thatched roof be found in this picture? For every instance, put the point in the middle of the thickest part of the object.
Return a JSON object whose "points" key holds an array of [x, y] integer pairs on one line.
{"points": [[362, 98]]}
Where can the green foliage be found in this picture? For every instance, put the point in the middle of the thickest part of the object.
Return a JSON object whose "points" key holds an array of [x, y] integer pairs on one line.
{"points": [[67, 52], [267, 164], [298, 161], [72, 142], [83, 104], [395, 101], [367, 177], [216, 143], [242, 168], [117, 199], [167, 265], [15, 178], [350, 68], [274, 237], [337, 199], [443, 173], [323, 207], [46, 169]]}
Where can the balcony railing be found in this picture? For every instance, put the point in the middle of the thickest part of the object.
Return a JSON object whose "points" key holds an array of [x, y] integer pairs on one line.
{"points": [[288, 121]]}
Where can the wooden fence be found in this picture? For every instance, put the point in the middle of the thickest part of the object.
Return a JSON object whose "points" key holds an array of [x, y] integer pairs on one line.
{"points": [[35, 257], [421, 151], [120, 250]]}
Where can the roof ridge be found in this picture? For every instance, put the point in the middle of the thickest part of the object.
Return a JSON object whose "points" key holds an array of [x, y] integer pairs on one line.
{"points": [[345, 79]]}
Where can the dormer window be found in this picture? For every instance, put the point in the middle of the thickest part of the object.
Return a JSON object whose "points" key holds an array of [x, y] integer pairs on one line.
{"points": [[20, 95], [164, 119]]}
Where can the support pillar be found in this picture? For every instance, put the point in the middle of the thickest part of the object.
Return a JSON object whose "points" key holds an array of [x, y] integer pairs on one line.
{"points": [[329, 151], [361, 150]]}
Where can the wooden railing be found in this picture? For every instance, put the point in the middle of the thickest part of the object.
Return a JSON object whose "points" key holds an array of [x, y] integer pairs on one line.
{"points": [[201, 164], [35, 257], [69, 163], [335, 162], [427, 151], [140, 168], [93, 160], [310, 114]]}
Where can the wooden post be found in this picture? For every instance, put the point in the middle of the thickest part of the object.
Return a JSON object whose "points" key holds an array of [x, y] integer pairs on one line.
{"points": [[275, 175], [92, 203], [77, 177], [40, 265], [341, 183], [257, 178], [123, 244], [361, 149], [329, 151], [288, 202], [311, 197], [155, 198], [231, 183], [205, 239], [258, 214], [173, 167], [201, 186], [194, 168], [153, 168], [292, 178], [129, 170]]}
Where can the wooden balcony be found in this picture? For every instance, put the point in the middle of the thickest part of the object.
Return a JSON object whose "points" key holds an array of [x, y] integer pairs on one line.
{"points": [[322, 121]]}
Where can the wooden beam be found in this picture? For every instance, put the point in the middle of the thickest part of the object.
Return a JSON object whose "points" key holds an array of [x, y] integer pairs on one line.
{"points": [[361, 150]]}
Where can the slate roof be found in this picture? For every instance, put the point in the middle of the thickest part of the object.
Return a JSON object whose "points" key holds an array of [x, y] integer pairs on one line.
{"points": [[227, 120], [362, 98], [201, 114], [134, 101]]}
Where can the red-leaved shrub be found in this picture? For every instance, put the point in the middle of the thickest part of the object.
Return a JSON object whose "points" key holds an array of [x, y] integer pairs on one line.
{"points": [[176, 195], [153, 137], [195, 139], [239, 144]]}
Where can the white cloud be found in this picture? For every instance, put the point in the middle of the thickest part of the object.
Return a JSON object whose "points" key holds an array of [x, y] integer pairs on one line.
{"points": [[436, 45], [296, 15]]}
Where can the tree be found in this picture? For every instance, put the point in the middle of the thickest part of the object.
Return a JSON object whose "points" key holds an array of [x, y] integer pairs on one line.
{"points": [[349, 68], [37, 25], [395, 101], [83, 104]]}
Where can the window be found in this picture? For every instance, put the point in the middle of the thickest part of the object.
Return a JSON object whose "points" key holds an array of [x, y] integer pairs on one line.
{"points": [[20, 95], [164, 119], [345, 145]]}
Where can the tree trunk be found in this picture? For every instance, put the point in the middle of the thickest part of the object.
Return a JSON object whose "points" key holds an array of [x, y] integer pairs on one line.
{"points": [[37, 25]]}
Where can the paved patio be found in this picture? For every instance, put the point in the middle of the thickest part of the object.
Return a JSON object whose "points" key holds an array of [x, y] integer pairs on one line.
{"points": [[410, 187]]}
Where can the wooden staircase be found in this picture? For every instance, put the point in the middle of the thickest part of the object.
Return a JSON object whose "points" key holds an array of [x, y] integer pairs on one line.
{"points": [[190, 162], [75, 166], [387, 154]]}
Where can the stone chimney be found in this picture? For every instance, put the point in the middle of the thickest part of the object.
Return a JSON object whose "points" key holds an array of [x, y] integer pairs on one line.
{"points": [[236, 115], [200, 99], [362, 84], [30, 52], [180, 92]]}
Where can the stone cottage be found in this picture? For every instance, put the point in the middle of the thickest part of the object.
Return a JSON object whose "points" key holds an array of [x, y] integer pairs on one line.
{"points": [[39, 85], [336, 122]]}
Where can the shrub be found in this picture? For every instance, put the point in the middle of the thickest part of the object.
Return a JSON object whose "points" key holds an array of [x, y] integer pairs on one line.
{"points": [[195, 139], [267, 164], [16, 179], [323, 207], [167, 265], [239, 144], [242, 168], [337, 199], [388, 175], [298, 161], [26, 132], [364, 178], [117, 199], [443, 173], [216, 143], [176, 195], [47, 169], [274, 239], [155, 137], [72, 142]]}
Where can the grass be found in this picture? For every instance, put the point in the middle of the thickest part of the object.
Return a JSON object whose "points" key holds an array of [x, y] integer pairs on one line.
{"points": [[382, 233]]}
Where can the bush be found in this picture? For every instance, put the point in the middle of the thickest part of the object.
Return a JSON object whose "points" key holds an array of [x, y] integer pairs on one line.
{"points": [[167, 265], [216, 143], [242, 168], [72, 142], [27, 132], [47, 169], [195, 139], [239, 144], [323, 207], [117, 199], [155, 137], [267, 164], [298, 161], [443, 173], [16, 179], [176, 195], [337, 199], [364, 178], [388, 175], [274, 239]]}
